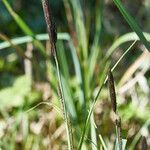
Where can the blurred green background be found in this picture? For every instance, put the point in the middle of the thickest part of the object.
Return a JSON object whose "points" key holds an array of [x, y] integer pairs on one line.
{"points": [[90, 25]]}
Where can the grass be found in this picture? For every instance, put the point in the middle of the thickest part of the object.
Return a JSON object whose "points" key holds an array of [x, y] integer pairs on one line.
{"points": [[78, 66], [53, 38], [132, 23]]}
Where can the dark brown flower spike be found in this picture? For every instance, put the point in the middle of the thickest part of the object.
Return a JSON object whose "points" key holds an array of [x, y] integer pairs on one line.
{"points": [[53, 38], [112, 90], [50, 25], [144, 145]]}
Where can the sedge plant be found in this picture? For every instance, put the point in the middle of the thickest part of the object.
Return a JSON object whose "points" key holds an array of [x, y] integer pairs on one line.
{"points": [[78, 85]]}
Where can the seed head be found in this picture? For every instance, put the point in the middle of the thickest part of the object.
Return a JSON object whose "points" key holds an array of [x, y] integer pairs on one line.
{"points": [[112, 90], [50, 25]]}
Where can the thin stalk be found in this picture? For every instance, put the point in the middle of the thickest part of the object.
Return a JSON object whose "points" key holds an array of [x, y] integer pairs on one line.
{"points": [[112, 94], [28, 39], [96, 97], [53, 39], [66, 118], [102, 141], [118, 133], [24, 27], [123, 55], [132, 23], [19, 50]]}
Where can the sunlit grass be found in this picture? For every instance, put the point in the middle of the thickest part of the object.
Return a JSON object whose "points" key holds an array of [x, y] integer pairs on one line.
{"points": [[80, 70]]}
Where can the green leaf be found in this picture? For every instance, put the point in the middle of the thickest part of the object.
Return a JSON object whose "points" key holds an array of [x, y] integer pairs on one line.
{"points": [[80, 27], [96, 97], [131, 36], [124, 142], [24, 27], [26, 39], [78, 73], [130, 20]]}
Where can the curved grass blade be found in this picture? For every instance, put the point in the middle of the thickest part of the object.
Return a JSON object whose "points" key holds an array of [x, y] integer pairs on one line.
{"points": [[93, 133], [124, 143], [65, 80], [78, 73], [138, 135], [103, 142], [132, 23], [95, 49], [24, 27], [131, 36], [18, 49], [27, 39], [96, 97], [80, 27]]}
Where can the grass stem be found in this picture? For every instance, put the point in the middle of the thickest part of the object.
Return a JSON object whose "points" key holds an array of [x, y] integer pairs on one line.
{"points": [[53, 38]]}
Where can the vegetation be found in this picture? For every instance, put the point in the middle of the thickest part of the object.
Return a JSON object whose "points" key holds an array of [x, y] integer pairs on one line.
{"points": [[54, 92]]}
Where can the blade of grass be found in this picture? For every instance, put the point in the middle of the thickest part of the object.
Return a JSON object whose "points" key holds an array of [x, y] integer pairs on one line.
{"points": [[53, 39], [24, 27], [50, 104], [65, 78], [123, 55], [69, 99], [123, 39], [52, 77], [82, 48], [95, 99], [63, 101], [130, 20], [27, 39], [63, 60], [102, 141], [124, 142], [77, 72], [80, 28], [95, 49], [19, 50], [18, 19], [93, 133], [138, 135]]}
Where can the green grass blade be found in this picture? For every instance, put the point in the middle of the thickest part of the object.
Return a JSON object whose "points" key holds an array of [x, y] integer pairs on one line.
{"points": [[123, 39], [19, 50], [124, 142], [123, 55], [24, 27], [138, 135], [61, 92], [80, 27], [102, 141], [65, 80], [82, 47], [27, 39], [93, 134], [95, 99], [69, 99], [95, 49], [77, 72], [63, 60], [17, 18], [130, 20]]}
